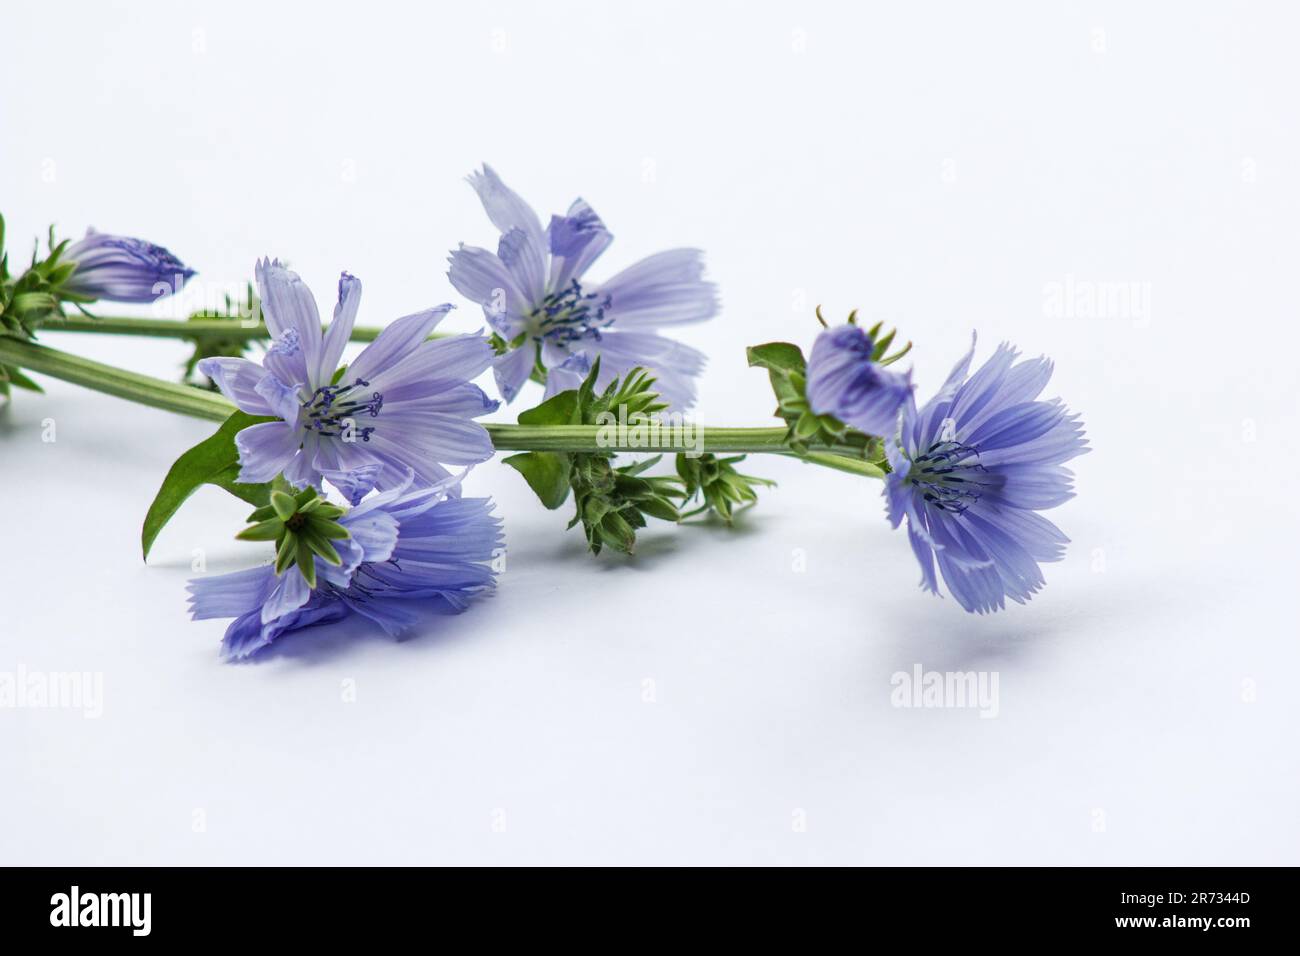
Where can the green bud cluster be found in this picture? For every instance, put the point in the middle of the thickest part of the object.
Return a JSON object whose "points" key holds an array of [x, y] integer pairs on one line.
{"points": [[721, 489], [302, 525], [34, 296], [612, 503]]}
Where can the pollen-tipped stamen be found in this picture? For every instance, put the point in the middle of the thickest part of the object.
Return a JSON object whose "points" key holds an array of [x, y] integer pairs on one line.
{"points": [[947, 477], [331, 407]]}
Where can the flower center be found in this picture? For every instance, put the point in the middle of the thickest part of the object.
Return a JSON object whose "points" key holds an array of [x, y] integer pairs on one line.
{"points": [[332, 409], [948, 477], [570, 314]]}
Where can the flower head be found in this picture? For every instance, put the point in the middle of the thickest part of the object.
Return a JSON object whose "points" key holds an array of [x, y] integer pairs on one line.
{"points": [[972, 469], [122, 269], [407, 544], [846, 380], [537, 298], [405, 404]]}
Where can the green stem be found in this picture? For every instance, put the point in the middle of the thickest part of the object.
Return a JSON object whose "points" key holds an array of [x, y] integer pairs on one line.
{"points": [[198, 403], [132, 386], [239, 329], [602, 438]]}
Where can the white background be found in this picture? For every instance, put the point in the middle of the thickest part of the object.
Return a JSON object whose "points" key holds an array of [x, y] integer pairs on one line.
{"points": [[937, 166]]}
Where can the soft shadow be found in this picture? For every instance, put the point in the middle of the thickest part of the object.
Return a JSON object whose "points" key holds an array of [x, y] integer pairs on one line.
{"points": [[322, 644], [940, 634], [655, 544]]}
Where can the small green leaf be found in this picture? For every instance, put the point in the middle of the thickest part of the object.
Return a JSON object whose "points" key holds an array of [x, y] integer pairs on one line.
{"points": [[306, 562], [806, 426], [286, 554], [561, 409], [14, 376], [284, 505], [213, 461], [659, 508], [777, 356], [262, 531], [546, 472]]}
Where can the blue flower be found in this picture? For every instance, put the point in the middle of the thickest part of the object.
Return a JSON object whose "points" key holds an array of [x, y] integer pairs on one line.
{"points": [[844, 381], [972, 469], [122, 269], [405, 404], [534, 292], [408, 544]]}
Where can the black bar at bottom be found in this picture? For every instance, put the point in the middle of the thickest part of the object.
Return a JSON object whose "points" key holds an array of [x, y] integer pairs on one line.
{"points": [[329, 906]]}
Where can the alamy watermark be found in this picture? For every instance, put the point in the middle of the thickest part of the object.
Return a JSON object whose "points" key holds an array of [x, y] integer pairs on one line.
{"points": [[53, 690], [130, 910], [1072, 298], [671, 430], [919, 688]]}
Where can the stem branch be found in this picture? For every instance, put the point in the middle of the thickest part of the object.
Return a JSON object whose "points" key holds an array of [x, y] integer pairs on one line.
{"points": [[187, 400], [245, 330]]}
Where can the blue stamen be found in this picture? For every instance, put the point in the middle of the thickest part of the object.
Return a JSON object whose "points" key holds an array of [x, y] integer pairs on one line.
{"points": [[947, 477], [331, 406], [569, 315]]}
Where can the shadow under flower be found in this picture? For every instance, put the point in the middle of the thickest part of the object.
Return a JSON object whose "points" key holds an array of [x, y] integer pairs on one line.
{"points": [[322, 643]]}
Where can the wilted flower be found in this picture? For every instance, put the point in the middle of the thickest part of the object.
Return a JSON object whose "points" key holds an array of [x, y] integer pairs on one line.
{"points": [[122, 269], [405, 404], [972, 469], [406, 545], [846, 380], [549, 318]]}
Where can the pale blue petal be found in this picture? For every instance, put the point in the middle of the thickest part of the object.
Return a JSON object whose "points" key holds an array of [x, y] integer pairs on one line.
{"points": [[663, 289], [288, 306], [513, 369], [395, 342], [505, 208], [340, 330], [237, 378], [576, 240], [265, 449]]}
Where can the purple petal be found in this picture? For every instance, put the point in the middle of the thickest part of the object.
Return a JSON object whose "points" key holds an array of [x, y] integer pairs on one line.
{"points": [[434, 367], [844, 381], [576, 240], [482, 277], [513, 369], [265, 450], [290, 593], [289, 307], [663, 289], [340, 330], [281, 399], [238, 378], [505, 208], [229, 595], [396, 341], [525, 265]]}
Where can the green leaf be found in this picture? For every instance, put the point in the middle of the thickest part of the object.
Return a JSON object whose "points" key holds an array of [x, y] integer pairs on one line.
{"points": [[546, 472], [213, 461], [561, 409], [14, 376], [268, 530], [777, 357], [284, 504]]}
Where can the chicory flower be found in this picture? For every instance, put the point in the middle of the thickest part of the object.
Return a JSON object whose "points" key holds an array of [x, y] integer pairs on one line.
{"points": [[407, 546], [551, 319], [405, 404], [970, 472], [122, 269]]}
